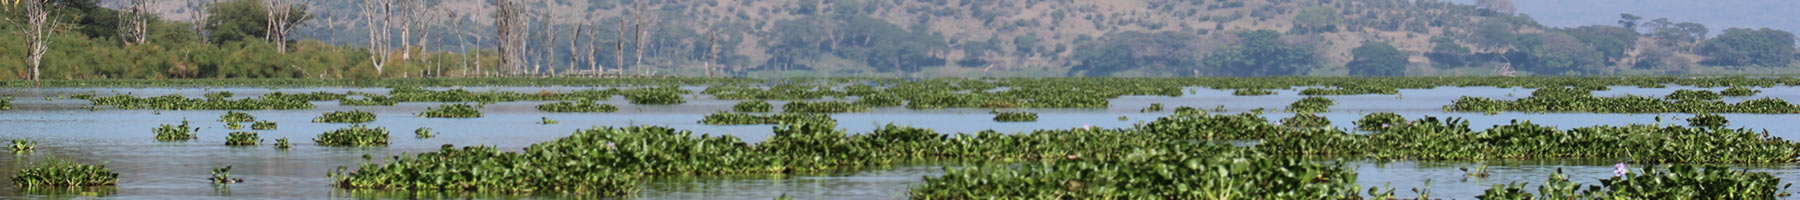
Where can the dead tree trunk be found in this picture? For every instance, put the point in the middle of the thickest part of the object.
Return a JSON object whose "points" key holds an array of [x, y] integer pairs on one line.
{"points": [[37, 29], [509, 34], [201, 10], [281, 21], [378, 16], [133, 26]]}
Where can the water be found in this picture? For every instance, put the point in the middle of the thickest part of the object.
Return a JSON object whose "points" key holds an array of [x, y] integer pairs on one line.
{"points": [[122, 140]]}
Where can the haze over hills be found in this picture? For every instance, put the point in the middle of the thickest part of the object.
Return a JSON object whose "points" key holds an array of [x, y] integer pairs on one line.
{"points": [[1720, 14], [990, 38]]}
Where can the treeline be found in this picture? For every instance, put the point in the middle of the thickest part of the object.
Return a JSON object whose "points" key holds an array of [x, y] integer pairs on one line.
{"points": [[88, 41]]}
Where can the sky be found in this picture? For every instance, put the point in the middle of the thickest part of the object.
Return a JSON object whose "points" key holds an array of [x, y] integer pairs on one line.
{"points": [[1716, 14]]}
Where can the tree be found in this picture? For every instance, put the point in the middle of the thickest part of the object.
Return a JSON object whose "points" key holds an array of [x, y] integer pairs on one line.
{"points": [[38, 28], [201, 11], [509, 31], [1556, 54], [1497, 6], [1154, 53], [1377, 59], [280, 18], [1260, 53], [378, 18], [1446, 53], [1749, 47], [134, 28], [1629, 21], [1317, 19], [1611, 41], [249, 19]]}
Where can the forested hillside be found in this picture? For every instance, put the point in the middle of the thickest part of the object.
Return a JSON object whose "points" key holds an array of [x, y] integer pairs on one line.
{"points": [[888, 38]]}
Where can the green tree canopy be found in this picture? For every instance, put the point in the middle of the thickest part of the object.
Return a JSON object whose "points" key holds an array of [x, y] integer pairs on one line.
{"points": [[240, 20], [1748, 47], [1377, 59], [1260, 53]]}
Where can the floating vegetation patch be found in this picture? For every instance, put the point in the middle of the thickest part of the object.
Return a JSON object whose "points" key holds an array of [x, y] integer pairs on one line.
{"points": [[879, 100], [61, 173], [656, 96], [234, 126], [1306, 120], [354, 116], [370, 100], [175, 133], [1311, 105], [1015, 116], [6, 103], [219, 95], [176, 102], [548, 121], [1179, 172], [282, 144], [731, 118], [1452, 139], [1252, 92], [777, 92], [234, 116], [486, 169], [753, 106], [424, 133], [822, 107], [263, 125], [1674, 182], [23, 145], [1708, 121], [354, 136], [414, 94], [452, 111], [578, 106], [1349, 90], [1380, 121], [242, 139], [1154, 107], [1739, 92], [1576, 100], [223, 176]]}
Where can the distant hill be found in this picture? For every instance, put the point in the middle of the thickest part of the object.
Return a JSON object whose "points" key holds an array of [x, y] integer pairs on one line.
{"points": [[1720, 14]]}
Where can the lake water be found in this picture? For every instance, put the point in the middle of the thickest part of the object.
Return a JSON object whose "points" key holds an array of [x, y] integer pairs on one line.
{"points": [[122, 140]]}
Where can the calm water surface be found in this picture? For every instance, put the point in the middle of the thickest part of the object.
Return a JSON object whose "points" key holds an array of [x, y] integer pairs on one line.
{"points": [[121, 139]]}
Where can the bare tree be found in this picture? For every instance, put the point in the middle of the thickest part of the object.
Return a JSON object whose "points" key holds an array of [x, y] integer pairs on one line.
{"points": [[201, 10], [378, 16], [619, 52], [281, 20], [639, 36], [133, 25], [509, 32], [37, 29]]}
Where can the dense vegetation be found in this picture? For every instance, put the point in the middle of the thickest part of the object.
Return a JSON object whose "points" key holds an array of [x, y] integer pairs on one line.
{"points": [[580, 106], [1015, 116], [176, 133], [61, 173], [1559, 99], [452, 111], [354, 136]]}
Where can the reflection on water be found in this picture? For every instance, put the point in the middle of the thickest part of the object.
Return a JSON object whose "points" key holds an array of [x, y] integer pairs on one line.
{"points": [[122, 140]]}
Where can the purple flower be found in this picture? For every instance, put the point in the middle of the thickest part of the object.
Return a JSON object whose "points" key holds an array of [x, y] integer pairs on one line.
{"points": [[1086, 126], [1620, 170]]}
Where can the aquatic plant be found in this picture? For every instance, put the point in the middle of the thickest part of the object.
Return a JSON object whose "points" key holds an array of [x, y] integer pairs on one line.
{"points": [[1306, 120], [223, 176], [242, 139], [1311, 105], [424, 133], [879, 100], [1252, 92], [61, 173], [1154, 107], [1432, 138], [370, 100], [655, 96], [1015, 116], [1380, 121], [452, 111], [354, 116], [234, 126], [1674, 182], [1189, 172], [1708, 121], [282, 144], [1693, 96], [822, 107], [579, 106], [219, 95], [262, 125], [753, 106], [485, 169], [1349, 90], [1572, 100], [548, 121], [1480, 172], [1739, 92], [6, 103], [354, 136], [172, 133], [234, 116], [23, 145], [731, 118]]}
